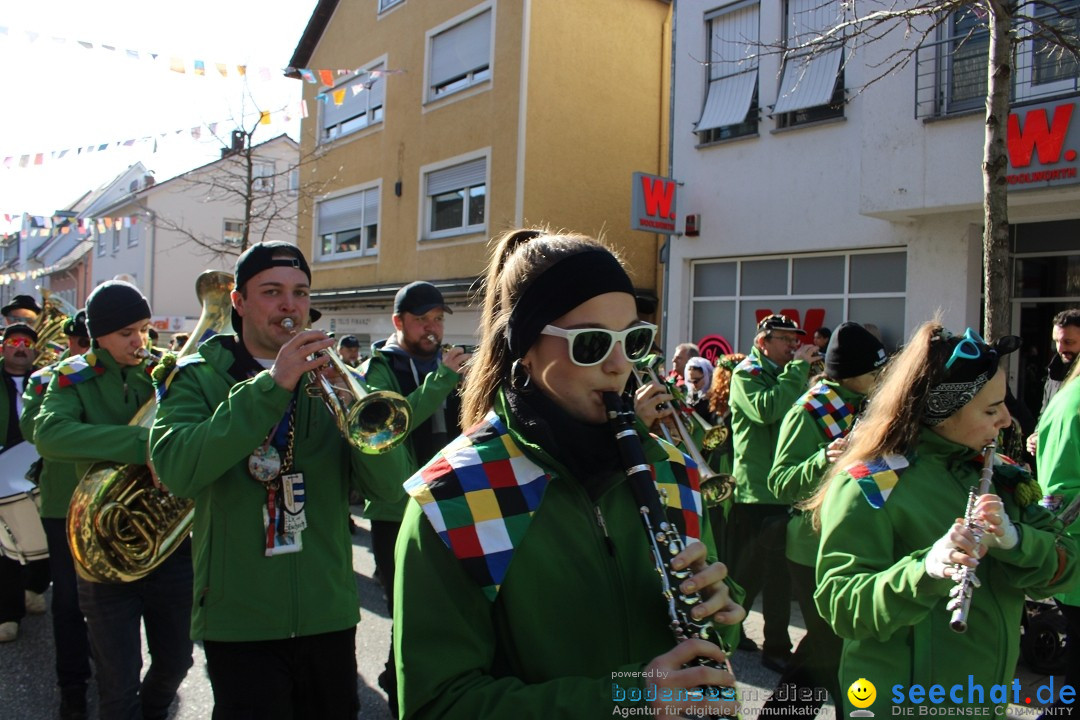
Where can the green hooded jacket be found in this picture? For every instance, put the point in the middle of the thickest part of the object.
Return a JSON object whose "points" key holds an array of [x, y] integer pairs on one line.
{"points": [[581, 601], [206, 427], [58, 478], [1058, 458], [800, 466], [761, 394], [874, 591], [424, 401]]}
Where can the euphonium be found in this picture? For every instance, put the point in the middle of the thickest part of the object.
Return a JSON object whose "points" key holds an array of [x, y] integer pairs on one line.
{"points": [[50, 328], [372, 422], [120, 524]]}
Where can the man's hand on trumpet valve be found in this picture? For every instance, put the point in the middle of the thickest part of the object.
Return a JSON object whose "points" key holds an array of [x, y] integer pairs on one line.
{"points": [[295, 357], [455, 358]]}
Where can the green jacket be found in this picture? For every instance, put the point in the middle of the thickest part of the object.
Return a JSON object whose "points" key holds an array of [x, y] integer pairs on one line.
{"points": [[58, 478], [874, 591], [423, 401], [1058, 458], [206, 427], [800, 466], [581, 600], [88, 404], [761, 394]]}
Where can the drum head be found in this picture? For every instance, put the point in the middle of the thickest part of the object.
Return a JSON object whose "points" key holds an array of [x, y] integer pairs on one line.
{"points": [[14, 462]]}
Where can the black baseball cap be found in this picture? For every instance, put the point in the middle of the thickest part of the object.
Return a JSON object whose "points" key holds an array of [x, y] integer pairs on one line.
{"points": [[261, 256], [21, 302], [21, 329], [349, 341], [779, 322], [418, 298]]}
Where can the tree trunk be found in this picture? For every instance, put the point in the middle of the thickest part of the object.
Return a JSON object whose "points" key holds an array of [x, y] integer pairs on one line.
{"points": [[997, 275]]}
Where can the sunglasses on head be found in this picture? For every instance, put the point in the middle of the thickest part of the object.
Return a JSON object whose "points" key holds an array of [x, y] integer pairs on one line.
{"points": [[592, 346], [19, 341], [970, 348]]}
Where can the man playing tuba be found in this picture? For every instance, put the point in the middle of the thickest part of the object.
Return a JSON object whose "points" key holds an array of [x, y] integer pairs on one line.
{"points": [[275, 605]]}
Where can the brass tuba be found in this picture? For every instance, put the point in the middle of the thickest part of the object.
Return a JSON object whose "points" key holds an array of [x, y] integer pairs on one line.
{"points": [[372, 422], [120, 525], [55, 312]]}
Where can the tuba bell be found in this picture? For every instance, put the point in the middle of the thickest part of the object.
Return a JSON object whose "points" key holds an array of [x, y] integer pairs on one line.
{"points": [[120, 525], [55, 312]]}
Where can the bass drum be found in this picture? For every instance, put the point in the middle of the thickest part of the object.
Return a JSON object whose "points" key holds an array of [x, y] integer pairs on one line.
{"points": [[22, 537]]}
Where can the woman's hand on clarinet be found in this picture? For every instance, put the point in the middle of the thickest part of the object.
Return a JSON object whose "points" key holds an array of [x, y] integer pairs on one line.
{"points": [[652, 403], [709, 581], [999, 529], [666, 672]]}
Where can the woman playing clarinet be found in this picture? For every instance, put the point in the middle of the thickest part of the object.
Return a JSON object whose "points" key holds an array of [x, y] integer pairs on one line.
{"points": [[893, 550], [527, 585]]}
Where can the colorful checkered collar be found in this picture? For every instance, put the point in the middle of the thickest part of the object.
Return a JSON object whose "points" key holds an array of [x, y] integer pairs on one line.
{"points": [[830, 408], [878, 477], [481, 492]]}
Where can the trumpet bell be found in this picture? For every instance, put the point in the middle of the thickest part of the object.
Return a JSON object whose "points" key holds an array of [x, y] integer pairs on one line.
{"points": [[378, 422], [716, 489]]}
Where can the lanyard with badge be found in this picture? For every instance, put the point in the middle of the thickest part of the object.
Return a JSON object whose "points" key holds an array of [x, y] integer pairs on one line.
{"points": [[283, 514]]}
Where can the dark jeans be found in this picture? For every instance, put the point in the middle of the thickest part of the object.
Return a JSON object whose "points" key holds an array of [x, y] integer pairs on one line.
{"points": [[757, 539], [313, 676], [15, 579], [383, 539], [815, 666], [115, 613], [69, 625]]}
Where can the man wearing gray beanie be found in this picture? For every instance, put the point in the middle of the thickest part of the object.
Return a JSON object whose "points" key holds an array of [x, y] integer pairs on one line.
{"points": [[84, 418]]}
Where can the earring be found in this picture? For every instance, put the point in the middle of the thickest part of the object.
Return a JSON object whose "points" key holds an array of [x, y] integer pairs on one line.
{"points": [[517, 370]]}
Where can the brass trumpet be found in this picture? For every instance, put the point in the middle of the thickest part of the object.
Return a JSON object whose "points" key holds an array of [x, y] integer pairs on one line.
{"points": [[715, 487], [372, 422]]}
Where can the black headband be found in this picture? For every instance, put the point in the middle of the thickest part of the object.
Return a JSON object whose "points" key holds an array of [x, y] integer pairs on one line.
{"points": [[973, 366], [558, 290]]}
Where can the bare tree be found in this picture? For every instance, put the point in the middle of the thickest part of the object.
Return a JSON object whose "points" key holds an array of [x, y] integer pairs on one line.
{"points": [[1050, 25]]}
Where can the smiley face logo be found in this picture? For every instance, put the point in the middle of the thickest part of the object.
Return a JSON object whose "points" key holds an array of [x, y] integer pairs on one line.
{"points": [[862, 693]]}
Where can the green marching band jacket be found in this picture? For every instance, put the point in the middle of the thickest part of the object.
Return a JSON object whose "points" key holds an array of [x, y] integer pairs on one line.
{"points": [[878, 522], [826, 412], [1059, 461], [206, 427], [58, 478], [517, 595], [86, 409], [761, 394]]}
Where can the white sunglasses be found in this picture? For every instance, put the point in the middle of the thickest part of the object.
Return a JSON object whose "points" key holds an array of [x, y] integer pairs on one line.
{"points": [[592, 346]]}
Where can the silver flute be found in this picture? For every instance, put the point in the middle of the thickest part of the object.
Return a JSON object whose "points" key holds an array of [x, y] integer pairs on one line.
{"points": [[966, 580]]}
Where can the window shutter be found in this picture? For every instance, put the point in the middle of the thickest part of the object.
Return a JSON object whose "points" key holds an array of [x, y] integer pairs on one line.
{"points": [[457, 177], [461, 49], [342, 213]]}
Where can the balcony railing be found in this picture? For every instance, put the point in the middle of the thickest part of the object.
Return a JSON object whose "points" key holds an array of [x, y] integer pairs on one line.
{"points": [[950, 74]]}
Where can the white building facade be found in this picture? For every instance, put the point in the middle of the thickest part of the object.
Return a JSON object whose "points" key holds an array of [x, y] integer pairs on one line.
{"points": [[868, 210]]}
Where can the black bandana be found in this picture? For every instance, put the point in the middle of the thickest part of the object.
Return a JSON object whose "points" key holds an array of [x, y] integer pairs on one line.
{"points": [[558, 290], [973, 364]]}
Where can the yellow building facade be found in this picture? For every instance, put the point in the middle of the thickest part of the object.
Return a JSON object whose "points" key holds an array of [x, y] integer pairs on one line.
{"points": [[464, 119]]}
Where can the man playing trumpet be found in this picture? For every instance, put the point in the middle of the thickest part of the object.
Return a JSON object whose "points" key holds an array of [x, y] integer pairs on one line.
{"points": [[275, 595]]}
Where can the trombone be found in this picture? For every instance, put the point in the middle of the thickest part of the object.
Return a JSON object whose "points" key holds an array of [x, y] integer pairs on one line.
{"points": [[715, 487]]}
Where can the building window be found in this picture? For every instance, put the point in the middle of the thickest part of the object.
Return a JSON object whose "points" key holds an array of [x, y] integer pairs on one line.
{"points": [[456, 199], [294, 180], [102, 243], [731, 99], [385, 5], [812, 82], [233, 234], [354, 104], [132, 235], [1043, 67], [729, 297], [348, 226], [460, 56], [115, 232], [262, 175]]}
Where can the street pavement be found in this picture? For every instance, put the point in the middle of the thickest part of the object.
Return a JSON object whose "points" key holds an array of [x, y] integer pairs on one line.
{"points": [[28, 690]]}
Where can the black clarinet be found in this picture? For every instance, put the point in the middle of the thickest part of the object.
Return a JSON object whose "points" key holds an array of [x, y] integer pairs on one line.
{"points": [[663, 537]]}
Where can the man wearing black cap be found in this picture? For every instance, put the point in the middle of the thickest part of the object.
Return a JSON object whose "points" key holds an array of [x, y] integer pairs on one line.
{"points": [[411, 362], [57, 480], [763, 387], [348, 349], [22, 309], [20, 585], [270, 473], [84, 418]]}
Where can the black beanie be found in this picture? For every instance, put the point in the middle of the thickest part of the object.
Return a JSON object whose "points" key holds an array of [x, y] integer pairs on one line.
{"points": [[853, 351], [114, 305]]}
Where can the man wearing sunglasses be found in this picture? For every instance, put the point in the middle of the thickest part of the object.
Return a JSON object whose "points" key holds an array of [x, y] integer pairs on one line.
{"points": [[763, 388]]}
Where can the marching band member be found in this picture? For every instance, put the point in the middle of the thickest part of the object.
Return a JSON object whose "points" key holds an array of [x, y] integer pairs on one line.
{"points": [[891, 545], [812, 435], [525, 528], [275, 600], [57, 481], [84, 418]]}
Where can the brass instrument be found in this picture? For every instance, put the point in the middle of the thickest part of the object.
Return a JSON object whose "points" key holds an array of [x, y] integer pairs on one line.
{"points": [[965, 578], [372, 422], [715, 487], [121, 525], [55, 312]]}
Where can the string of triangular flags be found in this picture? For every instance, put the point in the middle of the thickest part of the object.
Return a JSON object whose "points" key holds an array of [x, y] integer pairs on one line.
{"points": [[45, 225], [266, 117]]}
